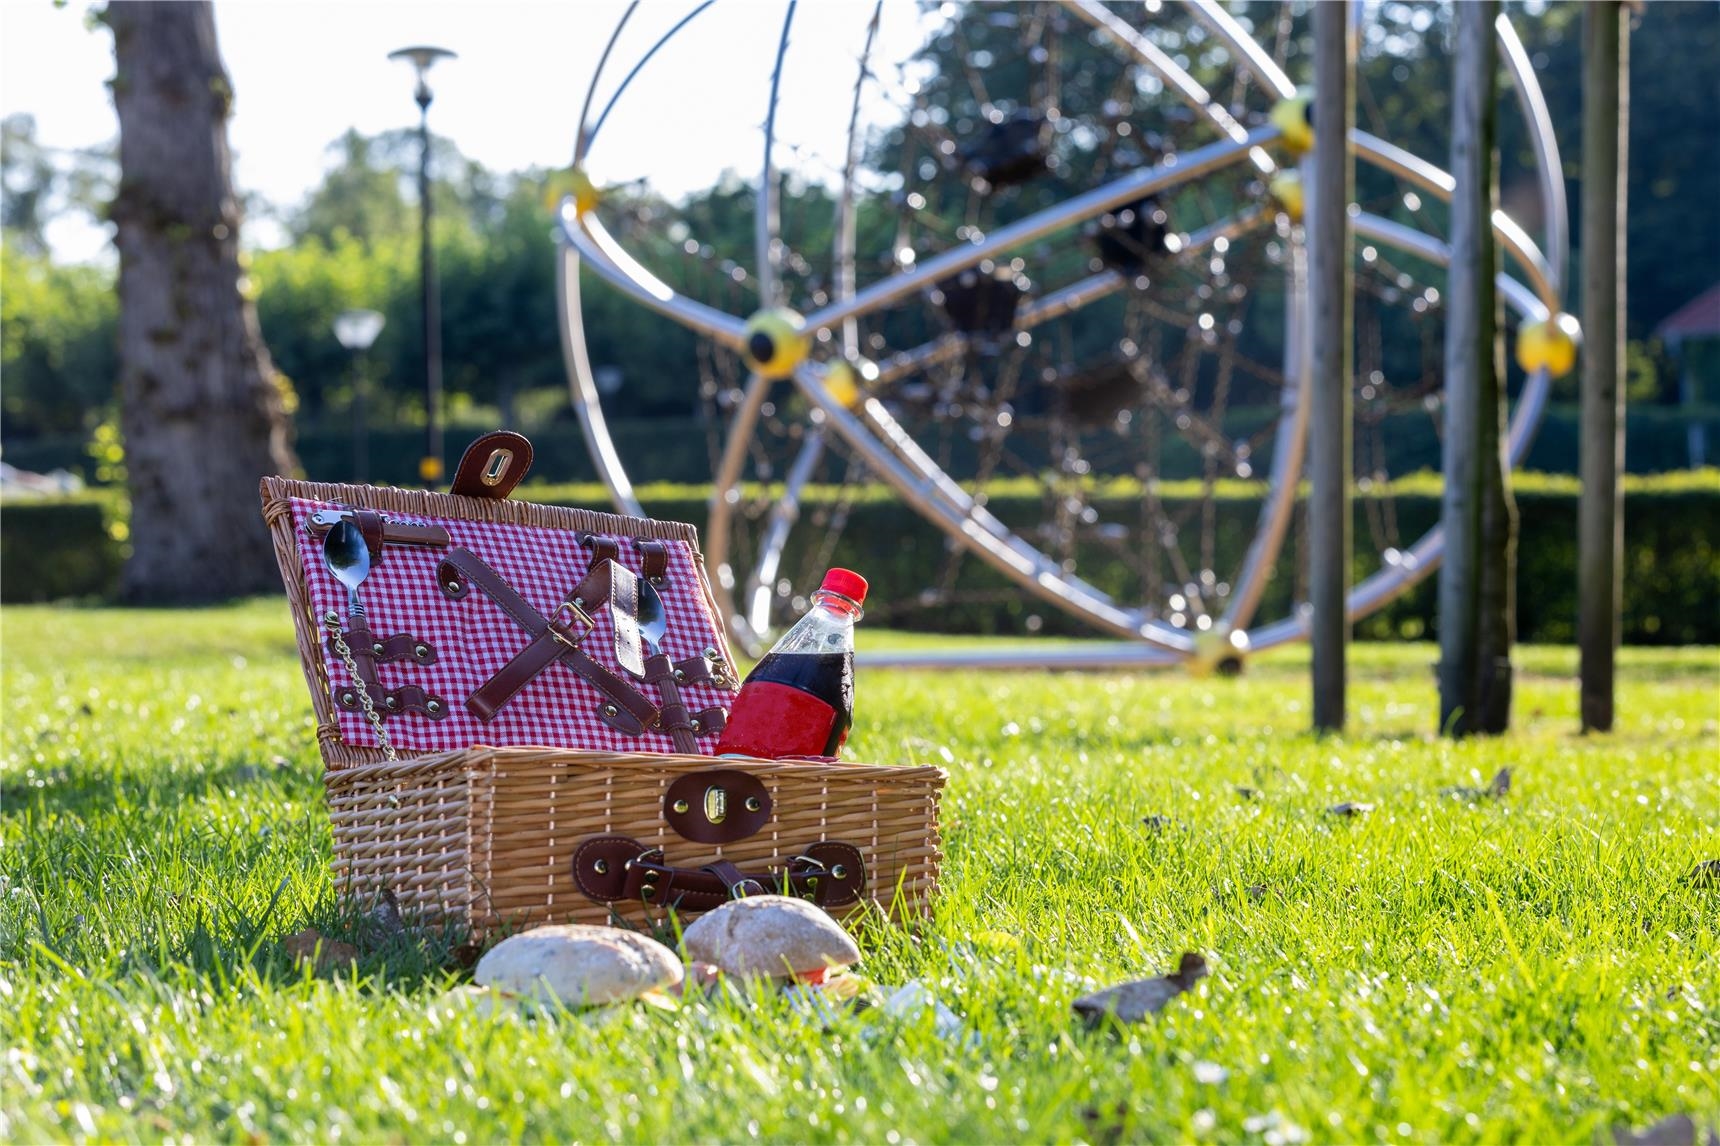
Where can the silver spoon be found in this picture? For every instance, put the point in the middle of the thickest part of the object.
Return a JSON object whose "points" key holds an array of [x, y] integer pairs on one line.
{"points": [[653, 626], [348, 558]]}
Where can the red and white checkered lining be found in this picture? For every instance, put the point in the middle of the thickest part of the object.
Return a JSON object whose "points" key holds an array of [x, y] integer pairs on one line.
{"points": [[474, 638]]}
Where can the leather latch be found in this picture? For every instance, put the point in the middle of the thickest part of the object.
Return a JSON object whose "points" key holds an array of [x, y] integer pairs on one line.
{"points": [[717, 807]]}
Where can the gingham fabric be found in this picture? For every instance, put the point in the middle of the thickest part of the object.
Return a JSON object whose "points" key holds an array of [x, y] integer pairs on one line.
{"points": [[473, 638]]}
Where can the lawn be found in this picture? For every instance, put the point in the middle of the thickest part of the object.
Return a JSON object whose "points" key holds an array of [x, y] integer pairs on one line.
{"points": [[1534, 968]]}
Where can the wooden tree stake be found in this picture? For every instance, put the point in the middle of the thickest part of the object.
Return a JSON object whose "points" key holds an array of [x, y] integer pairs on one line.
{"points": [[1329, 449], [1600, 514]]}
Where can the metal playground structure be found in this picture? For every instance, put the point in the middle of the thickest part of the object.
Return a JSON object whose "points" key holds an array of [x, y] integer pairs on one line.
{"points": [[1094, 177]]}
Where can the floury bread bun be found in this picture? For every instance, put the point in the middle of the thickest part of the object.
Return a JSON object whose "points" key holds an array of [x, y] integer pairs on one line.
{"points": [[770, 935], [579, 965]]}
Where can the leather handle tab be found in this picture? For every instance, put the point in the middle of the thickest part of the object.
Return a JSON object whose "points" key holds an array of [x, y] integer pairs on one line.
{"points": [[602, 548], [613, 869], [493, 465], [673, 716], [654, 559]]}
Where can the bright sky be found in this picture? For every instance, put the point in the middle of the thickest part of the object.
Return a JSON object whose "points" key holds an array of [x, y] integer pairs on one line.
{"points": [[306, 70]]}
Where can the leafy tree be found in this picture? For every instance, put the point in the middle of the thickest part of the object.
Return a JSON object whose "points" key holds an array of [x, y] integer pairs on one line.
{"points": [[360, 197], [56, 344]]}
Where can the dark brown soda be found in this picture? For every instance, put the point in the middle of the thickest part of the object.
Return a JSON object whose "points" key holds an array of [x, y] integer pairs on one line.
{"points": [[827, 676]]}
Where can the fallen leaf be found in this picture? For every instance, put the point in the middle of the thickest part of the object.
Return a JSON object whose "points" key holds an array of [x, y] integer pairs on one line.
{"points": [[1674, 1130], [1705, 874], [385, 918], [1349, 809], [1497, 788], [310, 946], [1133, 1001], [997, 940]]}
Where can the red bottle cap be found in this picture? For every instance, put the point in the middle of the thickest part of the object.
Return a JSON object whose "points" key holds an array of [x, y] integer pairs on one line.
{"points": [[846, 582]]}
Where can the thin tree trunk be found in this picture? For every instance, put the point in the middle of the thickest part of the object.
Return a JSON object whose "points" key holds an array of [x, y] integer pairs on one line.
{"points": [[202, 409], [1476, 592], [1600, 520], [1329, 457]]}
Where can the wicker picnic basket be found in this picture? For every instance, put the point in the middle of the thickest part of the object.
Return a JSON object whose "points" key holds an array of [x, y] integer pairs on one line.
{"points": [[513, 836]]}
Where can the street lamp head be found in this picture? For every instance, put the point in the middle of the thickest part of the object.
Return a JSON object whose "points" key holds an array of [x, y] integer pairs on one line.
{"points": [[422, 57], [357, 329]]}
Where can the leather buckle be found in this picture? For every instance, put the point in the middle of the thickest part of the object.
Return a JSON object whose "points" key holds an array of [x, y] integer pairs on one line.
{"points": [[564, 632]]}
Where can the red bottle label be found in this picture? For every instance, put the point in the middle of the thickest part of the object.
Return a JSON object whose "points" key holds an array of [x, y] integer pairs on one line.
{"points": [[770, 720]]}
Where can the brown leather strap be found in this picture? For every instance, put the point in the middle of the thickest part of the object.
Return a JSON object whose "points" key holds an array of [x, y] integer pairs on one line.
{"points": [[602, 548], [654, 559], [408, 698], [393, 532], [359, 640], [673, 717], [388, 702], [737, 882], [399, 647], [492, 466], [557, 638], [370, 525], [613, 869]]}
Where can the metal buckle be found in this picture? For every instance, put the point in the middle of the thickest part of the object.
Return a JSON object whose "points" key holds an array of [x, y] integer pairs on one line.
{"points": [[576, 614], [748, 885], [809, 875]]}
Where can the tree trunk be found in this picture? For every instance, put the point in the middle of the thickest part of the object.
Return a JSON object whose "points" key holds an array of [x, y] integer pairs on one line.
{"points": [[1600, 515], [1476, 591], [1329, 448], [202, 409]]}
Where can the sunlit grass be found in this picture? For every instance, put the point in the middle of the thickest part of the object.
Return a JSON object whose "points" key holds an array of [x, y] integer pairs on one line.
{"points": [[1535, 968]]}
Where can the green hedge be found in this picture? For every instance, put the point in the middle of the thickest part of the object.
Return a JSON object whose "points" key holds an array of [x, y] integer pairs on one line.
{"points": [[71, 548], [1656, 441]]}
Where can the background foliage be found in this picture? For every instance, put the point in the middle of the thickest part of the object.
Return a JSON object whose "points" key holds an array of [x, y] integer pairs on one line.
{"points": [[353, 244], [70, 548]]}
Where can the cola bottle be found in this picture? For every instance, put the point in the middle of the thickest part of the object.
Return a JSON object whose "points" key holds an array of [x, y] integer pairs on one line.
{"points": [[799, 700]]}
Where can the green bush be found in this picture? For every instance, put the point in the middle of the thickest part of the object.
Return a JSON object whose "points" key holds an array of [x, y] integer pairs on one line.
{"points": [[1656, 441], [73, 548], [62, 548]]}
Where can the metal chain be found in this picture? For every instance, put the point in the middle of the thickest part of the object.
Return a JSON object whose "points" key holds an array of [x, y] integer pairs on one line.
{"points": [[364, 701]]}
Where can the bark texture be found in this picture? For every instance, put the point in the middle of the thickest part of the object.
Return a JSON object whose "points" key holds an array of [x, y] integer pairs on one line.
{"points": [[1477, 606], [202, 409], [1600, 514]]}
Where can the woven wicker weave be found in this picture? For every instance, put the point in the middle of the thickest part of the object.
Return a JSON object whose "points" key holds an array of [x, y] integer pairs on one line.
{"points": [[485, 836]]}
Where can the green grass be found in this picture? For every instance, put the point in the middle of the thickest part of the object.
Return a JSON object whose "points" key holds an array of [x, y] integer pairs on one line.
{"points": [[1533, 969]]}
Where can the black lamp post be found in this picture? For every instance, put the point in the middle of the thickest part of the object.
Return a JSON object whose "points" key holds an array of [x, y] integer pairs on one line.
{"points": [[430, 466], [356, 330]]}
